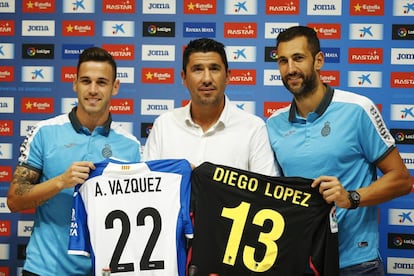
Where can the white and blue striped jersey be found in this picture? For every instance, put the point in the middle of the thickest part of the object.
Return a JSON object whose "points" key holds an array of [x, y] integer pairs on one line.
{"points": [[134, 217]]}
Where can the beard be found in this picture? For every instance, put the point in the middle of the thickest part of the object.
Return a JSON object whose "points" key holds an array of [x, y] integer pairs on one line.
{"points": [[307, 87]]}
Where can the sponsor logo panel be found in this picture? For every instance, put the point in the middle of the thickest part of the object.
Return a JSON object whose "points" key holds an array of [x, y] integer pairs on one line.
{"points": [[116, 6], [236, 7], [242, 77], [200, 6], [6, 151], [38, 28], [332, 55], [6, 51], [5, 228], [158, 6], [402, 217], [118, 28], [157, 75], [400, 241], [270, 107], [78, 28], [367, 79], [402, 112], [272, 78], [121, 51], [326, 30], [330, 77], [240, 30], [199, 29], [122, 106], [72, 51], [6, 127], [402, 31], [402, 56], [78, 6], [7, 27], [323, 7], [283, 7], [158, 29], [241, 53], [44, 6], [366, 7], [155, 107], [366, 31], [365, 55], [400, 265], [6, 173], [403, 136], [37, 74], [24, 228], [37, 105], [408, 159], [403, 8], [38, 51], [402, 79], [6, 73], [273, 29], [6, 104], [158, 52]]}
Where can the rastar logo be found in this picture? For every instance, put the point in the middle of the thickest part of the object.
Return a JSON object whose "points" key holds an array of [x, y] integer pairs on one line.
{"points": [[40, 6], [122, 106], [6, 173], [243, 77], [6, 73], [78, 28], [157, 75], [68, 73], [6, 127], [282, 7], [330, 77], [327, 31], [365, 55], [5, 228], [240, 30], [37, 105], [270, 107], [121, 51], [366, 7], [200, 6], [402, 79], [7, 28], [117, 6]]}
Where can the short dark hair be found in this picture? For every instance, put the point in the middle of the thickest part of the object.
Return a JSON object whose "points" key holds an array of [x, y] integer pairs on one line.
{"points": [[97, 54], [204, 45], [297, 31]]}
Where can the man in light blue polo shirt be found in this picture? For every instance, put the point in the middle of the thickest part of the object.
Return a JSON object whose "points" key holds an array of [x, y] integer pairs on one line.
{"points": [[338, 138], [58, 154]]}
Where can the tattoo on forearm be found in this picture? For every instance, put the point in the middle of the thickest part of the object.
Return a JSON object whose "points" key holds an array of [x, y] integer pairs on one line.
{"points": [[24, 179]]}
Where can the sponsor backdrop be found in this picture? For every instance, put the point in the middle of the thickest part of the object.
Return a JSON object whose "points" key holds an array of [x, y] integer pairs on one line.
{"points": [[368, 46]]}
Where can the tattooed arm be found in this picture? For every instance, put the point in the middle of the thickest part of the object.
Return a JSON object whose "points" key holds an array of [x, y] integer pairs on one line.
{"points": [[25, 192]]}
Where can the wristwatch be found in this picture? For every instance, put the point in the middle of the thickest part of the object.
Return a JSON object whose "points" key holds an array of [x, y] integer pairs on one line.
{"points": [[354, 198]]}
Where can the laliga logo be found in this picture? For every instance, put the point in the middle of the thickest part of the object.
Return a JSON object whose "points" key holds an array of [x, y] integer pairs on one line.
{"points": [[402, 32], [397, 241], [31, 52], [152, 29], [399, 136]]}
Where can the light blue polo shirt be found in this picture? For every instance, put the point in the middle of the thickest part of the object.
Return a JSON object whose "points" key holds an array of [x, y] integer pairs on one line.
{"points": [[345, 137], [50, 149]]}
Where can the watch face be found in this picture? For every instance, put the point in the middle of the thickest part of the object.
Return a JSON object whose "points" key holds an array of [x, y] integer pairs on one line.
{"points": [[355, 196]]}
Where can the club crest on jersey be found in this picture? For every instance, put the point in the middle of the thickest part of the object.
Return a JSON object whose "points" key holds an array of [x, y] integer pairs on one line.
{"points": [[326, 130], [107, 151]]}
